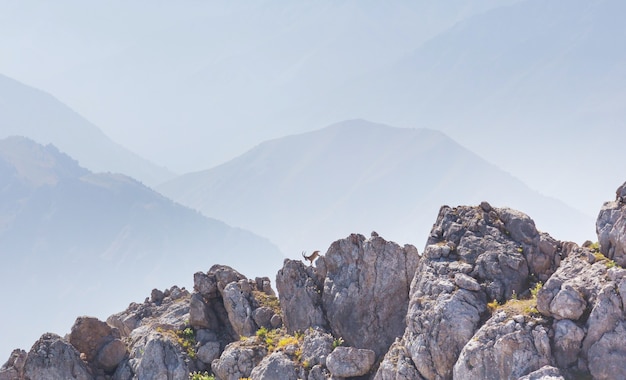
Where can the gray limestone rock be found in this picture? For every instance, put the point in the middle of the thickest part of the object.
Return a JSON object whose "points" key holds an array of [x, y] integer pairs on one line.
{"points": [[350, 361], [473, 256], [316, 346], [209, 352], [239, 304], [366, 290], [568, 339], [14, 367], [224, 275], [238, 360], [52, 358], [504, 349], [606, 357], [275, 366], [544, 373], [205, 285], [300, 296], [611, 227], [160, 358], [397, 365]]}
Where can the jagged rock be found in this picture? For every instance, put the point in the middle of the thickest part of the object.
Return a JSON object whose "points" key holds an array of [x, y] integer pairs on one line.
{"points": [[611, 227], [275, 366], [14, 367], [397, 365], [504, 349], [238, 360], [499, 249], [205, 285], [544, 373], [238, 302], [100, 343], [300, 296], [52, 358], [263, 284], [597, 351], [350, 361], [366, 290], [224, 275], [169, 313], [316, 346]]}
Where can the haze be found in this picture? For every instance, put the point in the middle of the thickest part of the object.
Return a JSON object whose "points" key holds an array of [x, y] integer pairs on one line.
{"points": [[225, 108]]}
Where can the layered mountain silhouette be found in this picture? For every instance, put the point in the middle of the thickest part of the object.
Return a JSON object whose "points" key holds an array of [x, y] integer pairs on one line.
{"points": [[75, 242], [27, 111], [304, 190]]}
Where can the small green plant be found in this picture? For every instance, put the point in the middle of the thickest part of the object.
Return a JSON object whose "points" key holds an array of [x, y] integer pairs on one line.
{"points": [[187, 340], [201, 376], [338, 342]]}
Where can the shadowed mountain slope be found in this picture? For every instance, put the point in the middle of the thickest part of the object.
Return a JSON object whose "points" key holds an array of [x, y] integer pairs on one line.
{"points": [[77, 242]]}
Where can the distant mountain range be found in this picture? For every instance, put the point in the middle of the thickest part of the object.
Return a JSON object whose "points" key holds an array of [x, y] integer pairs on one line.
{"points": [[26, 111], [92, 243], [304, 191], [538, 87]]}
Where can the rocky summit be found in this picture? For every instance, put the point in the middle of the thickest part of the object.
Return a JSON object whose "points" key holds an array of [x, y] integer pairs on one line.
{"points": [[490, 297]]}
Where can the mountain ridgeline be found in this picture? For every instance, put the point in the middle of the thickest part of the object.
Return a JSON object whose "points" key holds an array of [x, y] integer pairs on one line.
{"points": [[96, 241], [303, 190], [26, 111], [490, 297]]}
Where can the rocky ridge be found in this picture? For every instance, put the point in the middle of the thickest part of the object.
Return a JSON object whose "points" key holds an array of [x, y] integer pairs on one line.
{"points": [[491, 297]]}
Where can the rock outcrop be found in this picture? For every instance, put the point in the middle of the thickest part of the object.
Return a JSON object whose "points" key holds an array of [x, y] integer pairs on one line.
{"points": [[359, 291], [611, 227], [474, 255], [490, 298]]}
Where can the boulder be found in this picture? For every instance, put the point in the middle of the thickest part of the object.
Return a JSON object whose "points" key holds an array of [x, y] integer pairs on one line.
{"points": [[98, 342], [350, 361], [52, 358], [275, 366], [238, 360], [160, 358], [209, 352]]}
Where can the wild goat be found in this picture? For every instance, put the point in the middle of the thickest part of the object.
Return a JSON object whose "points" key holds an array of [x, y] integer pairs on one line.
{"points": [[311, 257]]}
